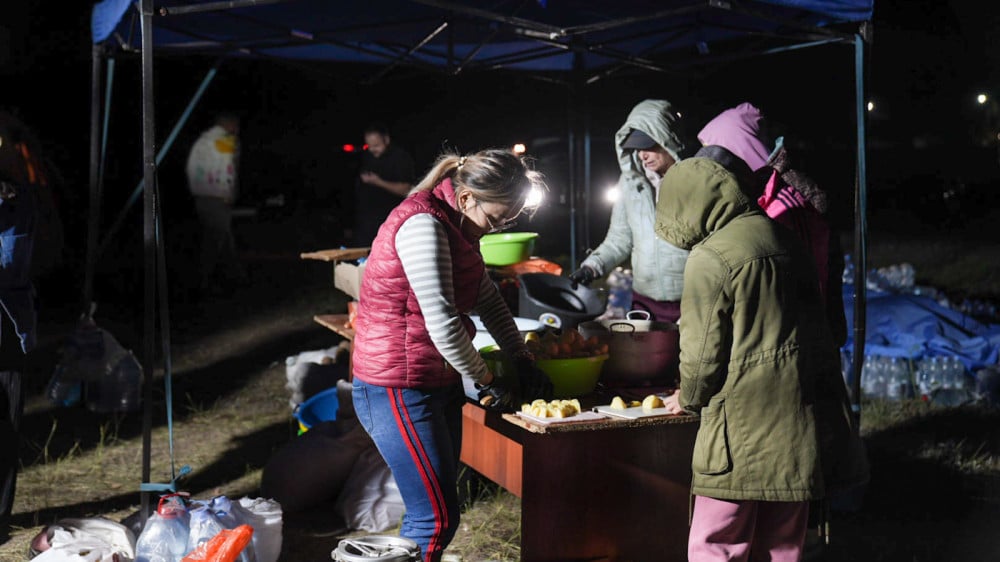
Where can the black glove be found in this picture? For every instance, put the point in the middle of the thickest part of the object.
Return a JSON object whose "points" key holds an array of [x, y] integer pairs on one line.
{"points": [[534, 382], [583, 276], [497, 396]]}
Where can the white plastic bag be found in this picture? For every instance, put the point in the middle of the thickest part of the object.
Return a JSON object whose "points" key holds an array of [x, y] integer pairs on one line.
{"points": [[371, 500], [87, 540]]}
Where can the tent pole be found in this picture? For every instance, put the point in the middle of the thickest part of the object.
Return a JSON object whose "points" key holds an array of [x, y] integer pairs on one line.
{"points": [[860, 229], [149, 242], [571, 176], [95, 184], [587, 187]]}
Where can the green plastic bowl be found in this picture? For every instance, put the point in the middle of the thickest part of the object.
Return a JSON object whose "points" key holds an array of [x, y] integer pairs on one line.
{"points": [[507, 248], [571, 378]]}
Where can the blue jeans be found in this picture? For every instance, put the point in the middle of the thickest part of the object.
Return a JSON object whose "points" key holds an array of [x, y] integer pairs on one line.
{"points": [[419, 434]]}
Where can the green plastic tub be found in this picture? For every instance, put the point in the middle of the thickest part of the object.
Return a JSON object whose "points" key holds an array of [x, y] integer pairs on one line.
{"points": [[571, 378], [507, 248]]}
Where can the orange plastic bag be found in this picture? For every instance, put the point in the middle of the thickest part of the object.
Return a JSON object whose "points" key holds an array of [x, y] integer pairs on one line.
{"points": [[223, 547]]}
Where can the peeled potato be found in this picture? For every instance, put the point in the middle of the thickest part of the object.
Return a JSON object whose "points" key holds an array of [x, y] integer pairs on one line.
{"points": [[651, 401], [617, 403], [554, 409]]}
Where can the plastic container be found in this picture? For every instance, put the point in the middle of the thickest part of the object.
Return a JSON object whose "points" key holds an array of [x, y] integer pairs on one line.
{"points": [[232, 515], [204, 525], [264, 516], [571, 378], [619, 293], [320, 407], [118, 390], [62, 389], [165, 536], [376, 548], [507, 248]]}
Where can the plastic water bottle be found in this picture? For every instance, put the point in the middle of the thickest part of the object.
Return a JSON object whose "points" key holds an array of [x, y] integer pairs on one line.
{"points": [[848, 275], [872, 377], [165, 536], [231, 514], [898, 385], [118, 389], [847, 367], [619, 293], [63, 390], [204, 525]]}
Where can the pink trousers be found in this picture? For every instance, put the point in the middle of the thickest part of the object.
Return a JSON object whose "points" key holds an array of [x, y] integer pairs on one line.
{"points": [[747, 530]]}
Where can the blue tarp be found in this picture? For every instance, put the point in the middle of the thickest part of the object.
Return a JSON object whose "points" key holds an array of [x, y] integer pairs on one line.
{"points": [[554, 35], [915, 326]]}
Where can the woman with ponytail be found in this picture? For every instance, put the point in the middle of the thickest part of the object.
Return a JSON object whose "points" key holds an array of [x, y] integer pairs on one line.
{"points": [[413, 343]]}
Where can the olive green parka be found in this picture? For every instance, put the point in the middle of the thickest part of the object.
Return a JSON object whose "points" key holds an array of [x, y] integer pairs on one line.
{"points": [[757, 361]]}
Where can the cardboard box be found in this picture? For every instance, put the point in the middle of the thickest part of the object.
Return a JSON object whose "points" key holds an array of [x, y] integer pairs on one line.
{"points": [[347, 278]]}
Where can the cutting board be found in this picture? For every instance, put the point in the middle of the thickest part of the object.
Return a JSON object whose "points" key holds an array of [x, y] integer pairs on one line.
{"points": [[581, 417], [633, 413]]}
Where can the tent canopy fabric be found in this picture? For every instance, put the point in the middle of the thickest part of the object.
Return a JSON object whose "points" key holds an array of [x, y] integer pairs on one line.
{"points": [[530, 35]]}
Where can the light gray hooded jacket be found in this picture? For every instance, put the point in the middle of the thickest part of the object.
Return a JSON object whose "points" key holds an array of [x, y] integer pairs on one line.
{"points": [[657, 266]]}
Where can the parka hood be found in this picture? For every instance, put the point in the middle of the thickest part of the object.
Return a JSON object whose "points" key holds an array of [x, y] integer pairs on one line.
{"points": [[659, 120], [740, 131], [701, 195]]}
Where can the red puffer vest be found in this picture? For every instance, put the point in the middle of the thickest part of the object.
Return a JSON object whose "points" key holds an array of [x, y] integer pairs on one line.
{"points": [[391, 345]]}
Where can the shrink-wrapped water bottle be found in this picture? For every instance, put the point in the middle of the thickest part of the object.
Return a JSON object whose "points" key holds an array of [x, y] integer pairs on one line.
{"points": [[204, 525], [63, 389], [619, 293], [165, 536], [898, 386], [872, 377]]}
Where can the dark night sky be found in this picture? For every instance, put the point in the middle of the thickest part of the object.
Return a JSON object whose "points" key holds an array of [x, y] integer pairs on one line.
{"points": [[927, 60]]}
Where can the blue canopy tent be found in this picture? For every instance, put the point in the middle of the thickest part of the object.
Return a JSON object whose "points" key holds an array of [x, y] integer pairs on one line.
{"points": [[576, 42]]}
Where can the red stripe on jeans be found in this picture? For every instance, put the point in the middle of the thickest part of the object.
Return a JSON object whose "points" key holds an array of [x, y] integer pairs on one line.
{"points": [[419, 455]]}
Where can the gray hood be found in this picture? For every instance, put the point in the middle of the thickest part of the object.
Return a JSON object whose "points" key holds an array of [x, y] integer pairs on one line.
{"points": [[659, 120]]}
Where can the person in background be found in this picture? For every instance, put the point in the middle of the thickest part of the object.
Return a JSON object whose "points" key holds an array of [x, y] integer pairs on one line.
{"points": [[386, 177], [18, 215], [212, 175], [757, 364], [648, 144], [413, 334], [788, 196]]}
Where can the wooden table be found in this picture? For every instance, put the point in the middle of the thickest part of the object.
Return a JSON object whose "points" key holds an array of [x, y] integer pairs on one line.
{"points": [[607, 490], [599, 490]]}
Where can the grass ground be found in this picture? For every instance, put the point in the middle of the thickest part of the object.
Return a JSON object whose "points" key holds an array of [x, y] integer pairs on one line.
{"points": [[934, 495]]}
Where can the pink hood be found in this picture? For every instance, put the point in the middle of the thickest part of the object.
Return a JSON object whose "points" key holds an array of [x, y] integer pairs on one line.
{"points": [[737, 130]]}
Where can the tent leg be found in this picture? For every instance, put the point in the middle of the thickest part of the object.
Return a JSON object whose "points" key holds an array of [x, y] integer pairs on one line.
{"points": [[95, 177], [860, 229], [149, 243]]}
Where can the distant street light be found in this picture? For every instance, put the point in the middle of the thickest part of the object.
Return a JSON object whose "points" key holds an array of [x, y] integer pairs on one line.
{"points": [[871, 106], [981, 99], [519, 148]]}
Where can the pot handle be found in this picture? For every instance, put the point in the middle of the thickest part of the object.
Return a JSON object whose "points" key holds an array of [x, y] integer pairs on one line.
{"points": [[637, 315], [621, 327]]}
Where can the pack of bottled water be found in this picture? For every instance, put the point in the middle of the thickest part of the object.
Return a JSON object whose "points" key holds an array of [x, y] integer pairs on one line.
{"points": [[886, 378]]}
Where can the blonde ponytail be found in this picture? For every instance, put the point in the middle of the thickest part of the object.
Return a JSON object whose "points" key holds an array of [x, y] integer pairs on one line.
{"points": [[445, 166]]}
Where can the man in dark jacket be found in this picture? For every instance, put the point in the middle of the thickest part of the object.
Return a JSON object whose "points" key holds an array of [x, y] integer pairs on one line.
{"points": [[387, 174]]}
